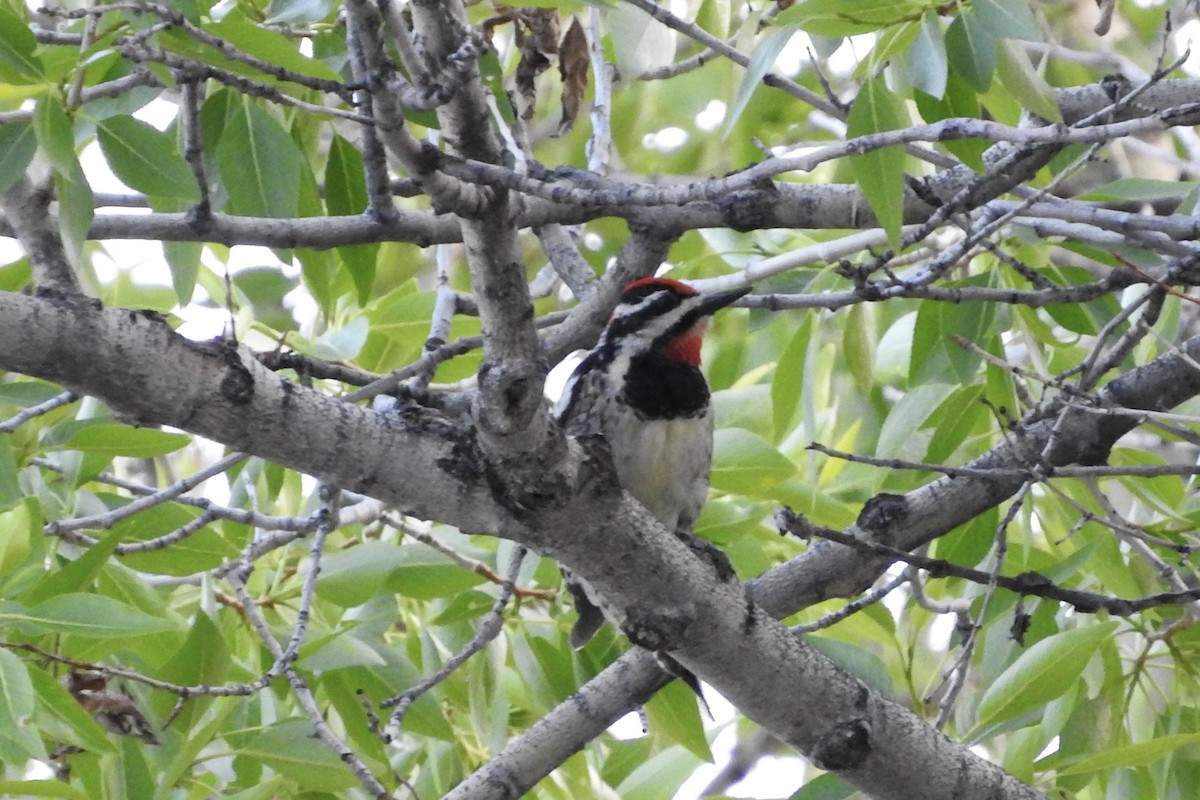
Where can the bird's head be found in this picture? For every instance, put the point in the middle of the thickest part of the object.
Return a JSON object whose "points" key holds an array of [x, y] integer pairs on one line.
{"points": [[667, 316]]}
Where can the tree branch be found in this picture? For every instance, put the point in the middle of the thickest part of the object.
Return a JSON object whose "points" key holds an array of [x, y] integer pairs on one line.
{"points": [[223, 393]]}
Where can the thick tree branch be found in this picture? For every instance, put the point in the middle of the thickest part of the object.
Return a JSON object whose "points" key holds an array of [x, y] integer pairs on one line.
{"points": [[717, 203], [143, 369], [828, 570], [149, 373], [512, 417]]}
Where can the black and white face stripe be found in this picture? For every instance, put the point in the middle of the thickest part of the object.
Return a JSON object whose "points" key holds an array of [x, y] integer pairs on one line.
{"points": [[651, 314], [658, 310], [648, 311]]}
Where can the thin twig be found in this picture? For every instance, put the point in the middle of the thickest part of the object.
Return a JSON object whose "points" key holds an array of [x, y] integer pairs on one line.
{"points": [[870, 598], [1028, 584], [958, 673], [478, 567], [24, 415], [489, 629], [110, 518]]}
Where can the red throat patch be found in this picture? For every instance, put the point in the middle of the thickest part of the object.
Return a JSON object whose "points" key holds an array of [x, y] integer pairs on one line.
{"points": [[686, 346]]}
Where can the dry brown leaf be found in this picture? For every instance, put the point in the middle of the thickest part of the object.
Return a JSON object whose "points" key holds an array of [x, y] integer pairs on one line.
{"points": [[573, 64]]}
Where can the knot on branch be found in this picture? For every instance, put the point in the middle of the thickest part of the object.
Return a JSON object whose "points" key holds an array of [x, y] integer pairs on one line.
{"points": [[749, 210], [882, 512], [510, 394], [848, 743], [844, 746], [237, 385]]}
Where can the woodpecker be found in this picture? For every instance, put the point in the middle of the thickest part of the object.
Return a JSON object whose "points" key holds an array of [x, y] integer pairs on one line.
{"points": [[641, 388], [114, 710]]}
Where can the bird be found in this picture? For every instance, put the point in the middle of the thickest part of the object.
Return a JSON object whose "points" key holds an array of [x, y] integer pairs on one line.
{"points": [[114, 710], [641, 389]]}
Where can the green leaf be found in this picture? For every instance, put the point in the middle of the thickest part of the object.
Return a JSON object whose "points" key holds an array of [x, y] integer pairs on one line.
{"points": [[491, 72], [858, 347], [1130, 755], [299, 12], [788, 381], [345, 699], [361, 262], [18, 143], [203, 659], [898, 437], [11, 494], [658, 777], [960, 100], [184, 260], [60, 716], [956, 417], [88, 615], [713, 16], [925, 64], [18, 62], [76, 210], [16, 709], [76, 205], [16, 276], [825, 787], [639, 42], [1023, 82], [28, 392], [745, 406], [16, 691], [674, 712], [746, 464], [75, 576], [289, 748], [346, 194], [259, 163], [1010, 19], [892, 44], [345, 184], [338, 649], [624, 756], [837, 18], [971, 48], [761, 60], [316, 270], [353, 576], [216, 113], [115, 439], [204, 549], [970, 542], [1041, 673], [145, 159], [18, 527], [429, 581], [880, 172], [555, 666], [272, 47], [1140, 190], [47, 788], [858, 661], [936, 352], [465, 606], [55, 134]]}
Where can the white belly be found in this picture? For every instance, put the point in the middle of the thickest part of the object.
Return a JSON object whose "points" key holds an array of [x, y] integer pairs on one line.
{"points": [[665, 465]]}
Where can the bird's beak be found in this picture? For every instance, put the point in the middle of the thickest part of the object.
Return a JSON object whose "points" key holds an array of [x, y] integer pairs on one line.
{"points": [[712, 303]]}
